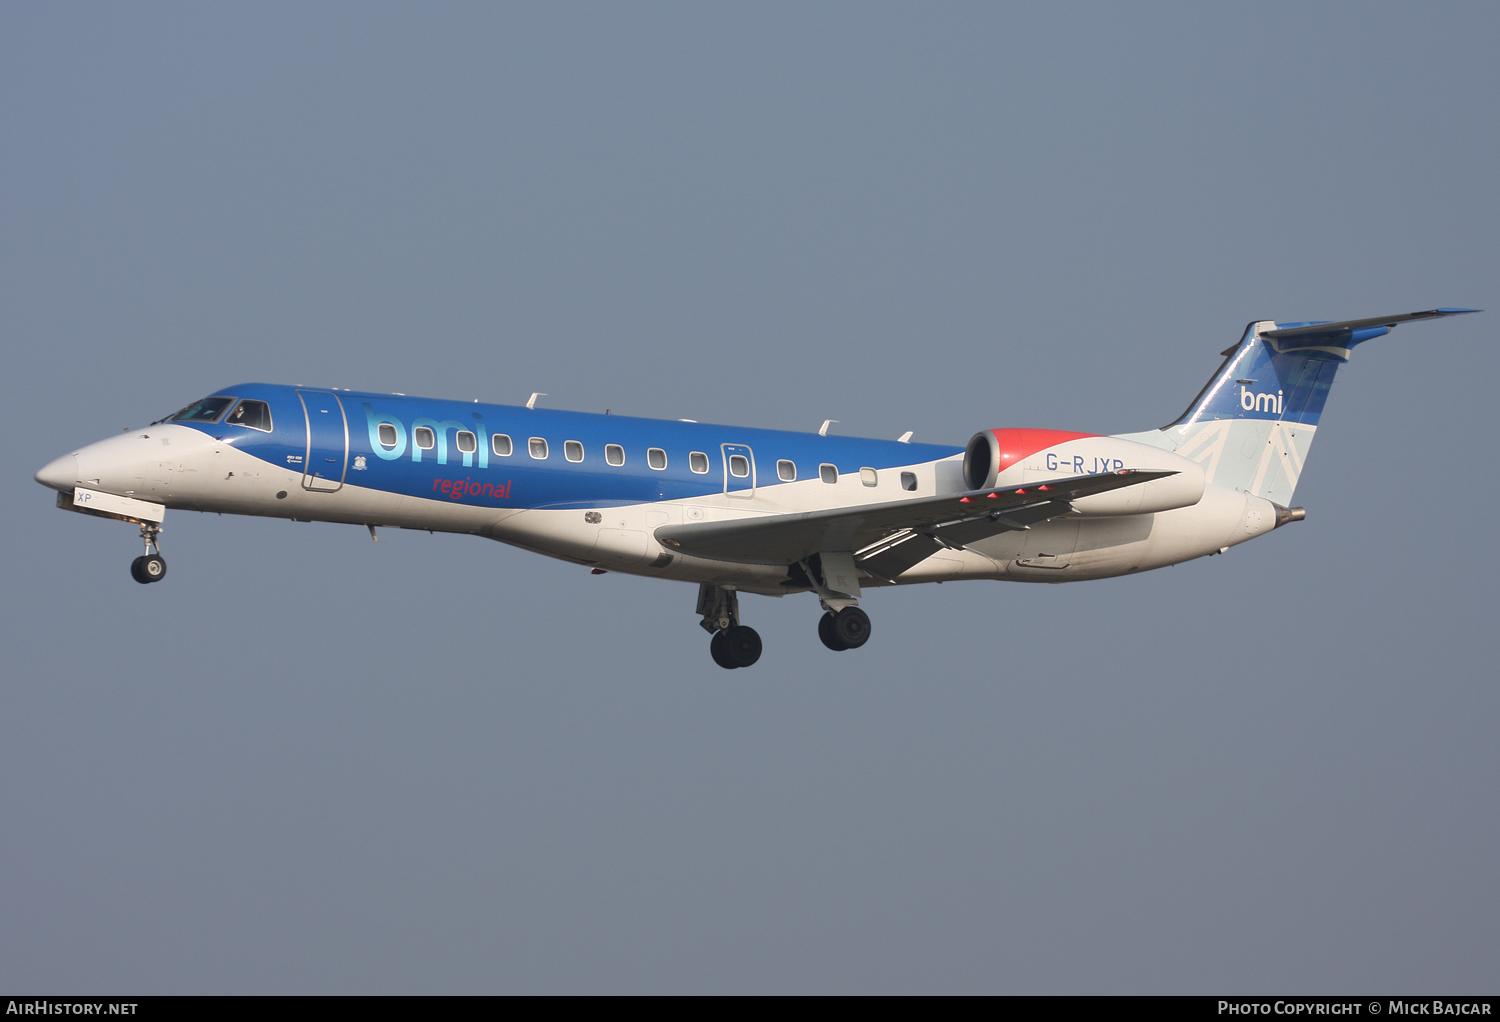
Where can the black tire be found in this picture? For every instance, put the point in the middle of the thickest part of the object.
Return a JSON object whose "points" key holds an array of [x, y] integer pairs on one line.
{"points": [[852, 626], [716, 650], [741, 645], [153, 568], [825, 632], [136, 572]]}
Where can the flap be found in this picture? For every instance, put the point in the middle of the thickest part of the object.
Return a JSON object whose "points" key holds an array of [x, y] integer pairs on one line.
{"points": [[787, 539]]}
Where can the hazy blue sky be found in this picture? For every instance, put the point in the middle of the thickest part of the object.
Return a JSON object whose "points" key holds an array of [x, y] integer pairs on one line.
{"points": [[310, 763]]}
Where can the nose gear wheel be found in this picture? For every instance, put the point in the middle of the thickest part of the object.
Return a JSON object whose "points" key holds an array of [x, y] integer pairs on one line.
{"points": [[147, 569], [150, 567]]}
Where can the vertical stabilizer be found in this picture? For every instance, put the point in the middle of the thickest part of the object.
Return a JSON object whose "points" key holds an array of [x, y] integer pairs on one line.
{"points": [[1252, 425]]}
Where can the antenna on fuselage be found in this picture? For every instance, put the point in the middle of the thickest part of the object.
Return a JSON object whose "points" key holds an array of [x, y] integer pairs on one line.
{"points": [[904, 438], [823, 429], [531, 401]]}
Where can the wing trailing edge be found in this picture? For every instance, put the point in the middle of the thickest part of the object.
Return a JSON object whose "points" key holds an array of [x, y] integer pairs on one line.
{"points": [[947, 520]]}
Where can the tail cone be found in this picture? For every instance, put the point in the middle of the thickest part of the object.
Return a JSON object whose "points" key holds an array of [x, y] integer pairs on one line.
{"points": [[1288, 514]]}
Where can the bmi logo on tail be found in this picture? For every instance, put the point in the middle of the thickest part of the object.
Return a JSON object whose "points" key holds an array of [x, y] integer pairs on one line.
{"points": [[1252, 402]]}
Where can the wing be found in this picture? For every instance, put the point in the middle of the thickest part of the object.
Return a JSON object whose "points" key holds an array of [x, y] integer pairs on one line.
{"points": [[948, 520]]}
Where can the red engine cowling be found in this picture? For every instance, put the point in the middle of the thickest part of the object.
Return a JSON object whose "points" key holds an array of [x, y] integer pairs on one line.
{"points": [[995, 450], [1011, 457]]}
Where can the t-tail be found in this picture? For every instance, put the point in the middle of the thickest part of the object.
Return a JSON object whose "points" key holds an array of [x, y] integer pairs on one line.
{"points": [[1251, 427]]}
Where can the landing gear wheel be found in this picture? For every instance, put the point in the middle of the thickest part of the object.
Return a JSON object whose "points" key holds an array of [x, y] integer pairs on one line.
{"points": [[852, 626], [716, 650], [150, 568], [826, 633], [733, 645], [741, 645]]}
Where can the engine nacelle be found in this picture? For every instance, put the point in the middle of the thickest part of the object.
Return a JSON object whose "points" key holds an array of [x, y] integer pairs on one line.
{"points": [[1012, 457]]}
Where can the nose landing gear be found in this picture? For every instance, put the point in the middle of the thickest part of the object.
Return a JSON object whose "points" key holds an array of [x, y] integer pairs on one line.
{"points": [[151, 566]]}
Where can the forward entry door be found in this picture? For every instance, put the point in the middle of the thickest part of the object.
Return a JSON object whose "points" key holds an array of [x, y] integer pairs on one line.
{"points": [[739, 470], [327, 456]]}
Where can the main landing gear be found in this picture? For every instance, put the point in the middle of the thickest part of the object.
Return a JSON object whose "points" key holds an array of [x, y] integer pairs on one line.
{"points": [[733, 644], [846, 629], [843, 625], [736, 645], [150, 567]]}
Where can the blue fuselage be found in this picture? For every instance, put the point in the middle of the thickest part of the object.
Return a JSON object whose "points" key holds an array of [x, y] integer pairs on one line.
{"points": [[568, 468]]}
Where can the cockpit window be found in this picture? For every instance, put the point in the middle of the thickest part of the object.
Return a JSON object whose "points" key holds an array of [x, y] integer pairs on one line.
{"points": [[207, 410], [254, 414]]}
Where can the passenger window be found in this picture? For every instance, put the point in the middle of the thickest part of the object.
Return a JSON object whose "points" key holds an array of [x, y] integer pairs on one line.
{"points": [[739, 466], [467, 444], [614, 455], [908, 480], [786, 471], [538, 448], [656, 458], [573, 450], [423, 437], [254, 415], [698, 462], [500, 444], [828, 473], [868, 476], [387, 435], [207, 410]]}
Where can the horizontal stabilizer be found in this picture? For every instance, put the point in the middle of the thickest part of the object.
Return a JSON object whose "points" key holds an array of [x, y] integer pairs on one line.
{"points": [[1303, 329], [787, 539]]}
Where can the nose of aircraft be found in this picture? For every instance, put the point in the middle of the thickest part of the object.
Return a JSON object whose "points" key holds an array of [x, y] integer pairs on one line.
{"points": [[60, 474]]}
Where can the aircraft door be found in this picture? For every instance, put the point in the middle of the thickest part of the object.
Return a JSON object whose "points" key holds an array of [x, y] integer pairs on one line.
{"points": [[739, 470], [327, 457]]}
